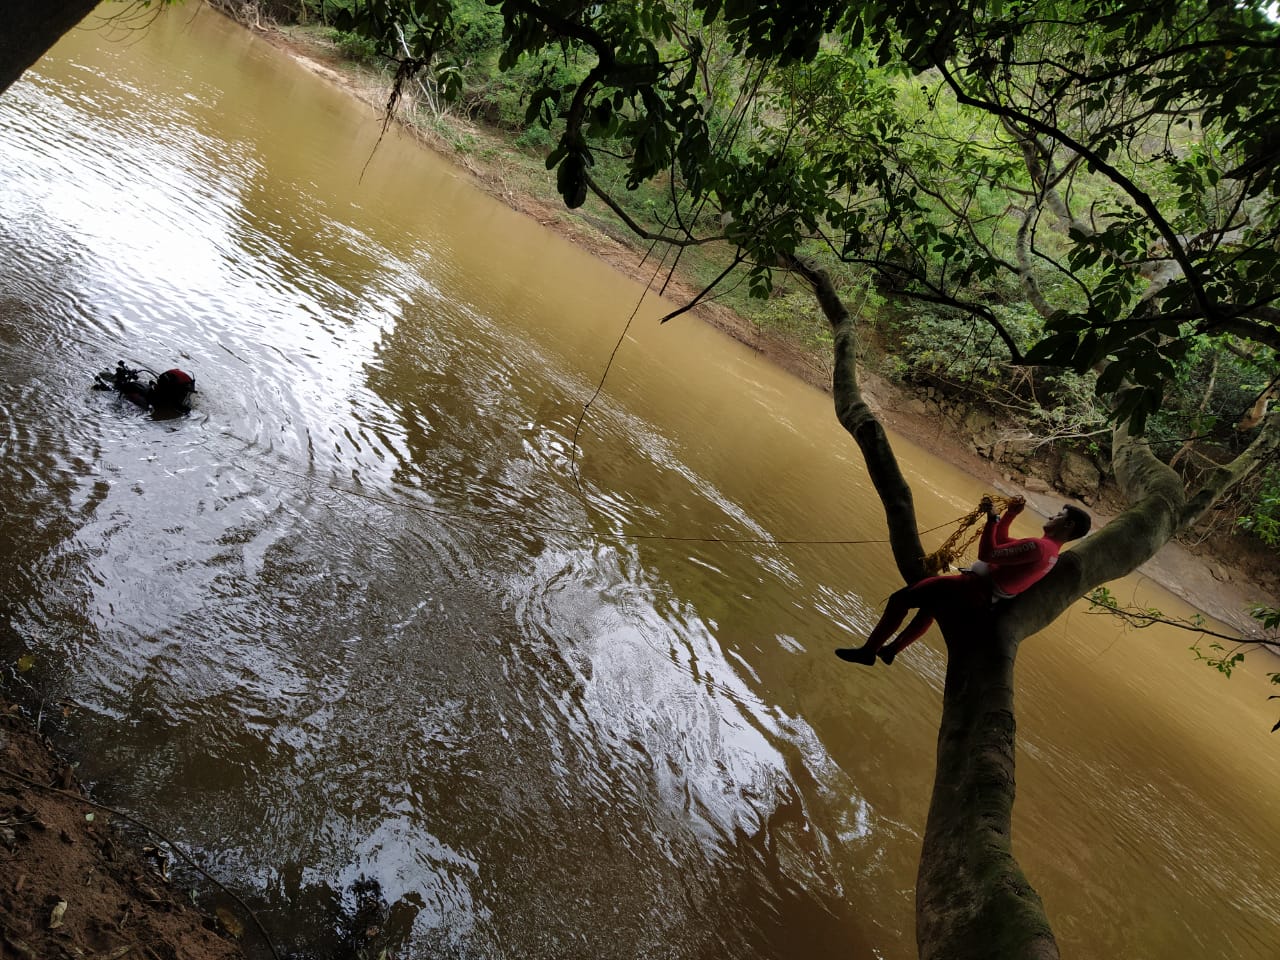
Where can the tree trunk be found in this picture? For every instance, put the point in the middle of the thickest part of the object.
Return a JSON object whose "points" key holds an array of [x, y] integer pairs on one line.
{"points": [[31, 27], [856, 417], [972, 899]]}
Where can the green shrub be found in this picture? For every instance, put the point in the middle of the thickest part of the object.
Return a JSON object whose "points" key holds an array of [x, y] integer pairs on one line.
{"points": [[536, 137], [355, 47], [1263, 520]]}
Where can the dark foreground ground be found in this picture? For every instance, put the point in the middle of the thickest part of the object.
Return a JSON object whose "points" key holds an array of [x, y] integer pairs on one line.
{"points": [[71, 884]]}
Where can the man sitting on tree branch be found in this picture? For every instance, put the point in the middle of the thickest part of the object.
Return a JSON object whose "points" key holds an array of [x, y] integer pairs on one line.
{"points": [[1004, 569]]}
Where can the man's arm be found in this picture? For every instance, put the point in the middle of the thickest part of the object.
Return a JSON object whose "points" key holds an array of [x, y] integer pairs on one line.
{"points": [[996, 539]]}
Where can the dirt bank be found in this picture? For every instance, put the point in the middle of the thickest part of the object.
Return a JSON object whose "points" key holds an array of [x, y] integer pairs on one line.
{"points": [[72, 884]]}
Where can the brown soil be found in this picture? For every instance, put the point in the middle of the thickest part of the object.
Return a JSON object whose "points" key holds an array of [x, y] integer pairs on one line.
{"points": [[57, 847], [71, 884]]}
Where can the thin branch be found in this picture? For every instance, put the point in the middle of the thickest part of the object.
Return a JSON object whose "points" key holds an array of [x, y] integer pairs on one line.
{"points": [[642, 232], [1138, 195], [934, 294], [1142, 618], [737, 259]]}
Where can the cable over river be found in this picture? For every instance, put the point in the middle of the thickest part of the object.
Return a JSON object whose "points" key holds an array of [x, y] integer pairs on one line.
{"points": [[352, 622]]}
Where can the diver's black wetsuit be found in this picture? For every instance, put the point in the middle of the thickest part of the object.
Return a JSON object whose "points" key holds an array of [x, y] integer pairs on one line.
{"points": [[170, 390]]}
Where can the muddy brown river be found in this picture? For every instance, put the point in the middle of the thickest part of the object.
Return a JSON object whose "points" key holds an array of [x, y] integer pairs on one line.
{"points": [[353, 618]]}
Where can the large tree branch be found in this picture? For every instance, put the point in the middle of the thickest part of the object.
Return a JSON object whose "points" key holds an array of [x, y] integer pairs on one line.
{"points": [[1026, 276], [1157, 500], [972, 899], [856, 417], [1262, 324], [30, 29], [1219, 481], [1038, 161], [1159, 509]]}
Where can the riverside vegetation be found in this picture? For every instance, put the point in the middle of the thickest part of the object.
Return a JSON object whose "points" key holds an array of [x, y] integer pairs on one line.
{"points": [[1039, 425]]}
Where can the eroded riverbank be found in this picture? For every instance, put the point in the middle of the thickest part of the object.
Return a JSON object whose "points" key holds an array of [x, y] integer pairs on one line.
{"points": [[74, 883]]}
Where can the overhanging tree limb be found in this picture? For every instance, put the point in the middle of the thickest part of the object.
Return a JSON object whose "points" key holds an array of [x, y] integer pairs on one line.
{"points": [[1265, 329], [32, 28], [1139, 196], [856, 417]]}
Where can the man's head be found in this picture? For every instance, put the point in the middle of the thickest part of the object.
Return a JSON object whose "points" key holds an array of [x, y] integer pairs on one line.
{"points": [[173, 388], [1070, 523]]}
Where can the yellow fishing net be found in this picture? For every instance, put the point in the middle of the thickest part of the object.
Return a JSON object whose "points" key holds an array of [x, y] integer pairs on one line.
{"points": [[962, 538]]}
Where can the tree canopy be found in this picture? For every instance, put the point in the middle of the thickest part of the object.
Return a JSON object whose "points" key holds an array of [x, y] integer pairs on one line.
{"points": [[1116, 161]]}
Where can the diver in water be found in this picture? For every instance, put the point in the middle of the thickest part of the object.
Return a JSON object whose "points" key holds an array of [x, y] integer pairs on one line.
{"points": [[169, 391]]}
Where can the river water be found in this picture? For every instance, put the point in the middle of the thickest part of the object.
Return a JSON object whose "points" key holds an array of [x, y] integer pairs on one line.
{"points": [[354, 618]]}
